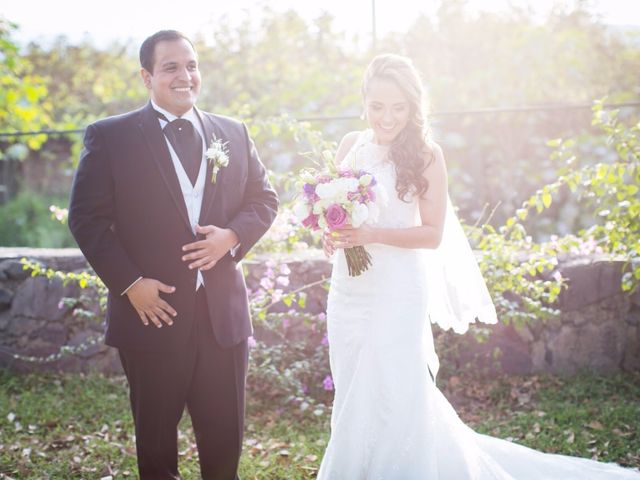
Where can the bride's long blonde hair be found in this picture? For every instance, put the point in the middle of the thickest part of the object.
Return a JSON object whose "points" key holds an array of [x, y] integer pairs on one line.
{"points": [[410, 151]]}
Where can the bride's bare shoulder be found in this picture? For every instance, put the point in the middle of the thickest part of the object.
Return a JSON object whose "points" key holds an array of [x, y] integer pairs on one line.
{"points": [[345, 145], [436, 168]]}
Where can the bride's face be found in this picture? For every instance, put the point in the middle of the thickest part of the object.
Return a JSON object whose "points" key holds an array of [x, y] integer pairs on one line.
{"points": [[387, 110]]}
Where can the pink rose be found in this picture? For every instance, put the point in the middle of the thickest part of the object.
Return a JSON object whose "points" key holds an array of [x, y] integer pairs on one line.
{"points": [[336, 216], [311, 222]]}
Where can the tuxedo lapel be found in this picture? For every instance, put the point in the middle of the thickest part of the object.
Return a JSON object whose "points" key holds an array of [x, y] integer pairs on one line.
{"points": [[152, 133], [211, 131]]}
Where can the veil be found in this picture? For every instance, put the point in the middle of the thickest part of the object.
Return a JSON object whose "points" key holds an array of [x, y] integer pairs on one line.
{"points": [[458, 294]]}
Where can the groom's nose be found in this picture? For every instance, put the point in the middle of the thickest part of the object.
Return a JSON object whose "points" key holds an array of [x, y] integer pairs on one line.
{"points": [[185, 73]]}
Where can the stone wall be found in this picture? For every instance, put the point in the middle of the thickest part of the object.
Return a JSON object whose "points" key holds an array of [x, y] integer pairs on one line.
{"points": [[599, 328]]}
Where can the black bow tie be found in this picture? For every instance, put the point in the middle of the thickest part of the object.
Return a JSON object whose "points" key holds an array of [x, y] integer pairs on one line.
{"points": [[187, 143]]}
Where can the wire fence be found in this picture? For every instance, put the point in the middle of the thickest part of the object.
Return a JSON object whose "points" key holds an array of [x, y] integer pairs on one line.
{"points": [[437, 114]]}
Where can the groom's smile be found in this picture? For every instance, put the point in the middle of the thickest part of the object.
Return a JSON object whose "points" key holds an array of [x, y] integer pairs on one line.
{"points": [[175, 79]]}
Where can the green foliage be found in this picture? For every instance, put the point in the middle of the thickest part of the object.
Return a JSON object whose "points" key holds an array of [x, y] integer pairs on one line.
{"points": [[584, 415], [281, 64], [23, 91], [26, 221], [79, 426], [608, 189], [85, 82]]}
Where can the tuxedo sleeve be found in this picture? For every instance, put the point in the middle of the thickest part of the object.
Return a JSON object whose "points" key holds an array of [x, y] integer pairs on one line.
{"points": [[92, 214], [259, 206]]}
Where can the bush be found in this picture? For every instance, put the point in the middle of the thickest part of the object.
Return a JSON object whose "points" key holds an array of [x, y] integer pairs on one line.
{"points": [[26, 221]]}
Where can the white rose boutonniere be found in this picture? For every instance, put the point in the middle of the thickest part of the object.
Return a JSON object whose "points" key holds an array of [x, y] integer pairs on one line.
{"points": [[218, 156]]}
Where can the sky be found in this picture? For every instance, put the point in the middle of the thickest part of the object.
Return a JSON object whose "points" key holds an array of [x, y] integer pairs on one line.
{"points": [[134, 20]]}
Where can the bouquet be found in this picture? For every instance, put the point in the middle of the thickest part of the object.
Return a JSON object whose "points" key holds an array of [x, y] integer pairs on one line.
{"points": [[336, 197]]}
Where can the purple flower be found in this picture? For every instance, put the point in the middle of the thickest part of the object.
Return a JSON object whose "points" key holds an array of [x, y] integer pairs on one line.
{"points": [[327, 383], [284, 281], [251, 342], [60, 305], [286, 323], [336, 216], [309, 189], [325, 340], [322, 316]]}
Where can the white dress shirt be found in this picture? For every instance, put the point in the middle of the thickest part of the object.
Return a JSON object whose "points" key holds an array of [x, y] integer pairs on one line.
{"points": [[192, 194]]}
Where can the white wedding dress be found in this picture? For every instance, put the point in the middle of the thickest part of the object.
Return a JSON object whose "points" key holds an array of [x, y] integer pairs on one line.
{"points": [[389, 420]]}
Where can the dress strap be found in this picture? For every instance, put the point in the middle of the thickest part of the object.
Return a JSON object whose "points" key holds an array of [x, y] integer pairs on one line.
{"points": [[362, 139]]}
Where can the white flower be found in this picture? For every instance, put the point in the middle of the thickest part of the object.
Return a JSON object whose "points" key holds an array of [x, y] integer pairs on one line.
{"points": [[365, 179], [301, 210], [218, 156], [359, 214]]}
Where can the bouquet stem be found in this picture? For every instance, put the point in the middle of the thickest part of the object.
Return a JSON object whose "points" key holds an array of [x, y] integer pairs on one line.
{"points": [[358, 260]]}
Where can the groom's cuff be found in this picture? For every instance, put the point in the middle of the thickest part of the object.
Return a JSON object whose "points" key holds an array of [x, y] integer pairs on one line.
{"points": [[127, 289]]}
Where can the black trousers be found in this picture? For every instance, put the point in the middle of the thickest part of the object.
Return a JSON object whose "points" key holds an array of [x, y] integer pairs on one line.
{"points": [[206, 378]]}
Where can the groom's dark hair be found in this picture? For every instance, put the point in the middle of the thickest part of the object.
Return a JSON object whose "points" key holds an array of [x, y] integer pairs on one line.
{"points": [[148, 47]]}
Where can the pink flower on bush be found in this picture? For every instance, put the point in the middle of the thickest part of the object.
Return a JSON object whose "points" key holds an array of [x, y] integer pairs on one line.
{"points": [[327, 383], [284, 269], [336, 216], [266, 283]]}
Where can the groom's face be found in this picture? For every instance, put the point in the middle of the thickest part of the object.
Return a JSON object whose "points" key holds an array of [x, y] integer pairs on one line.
{"points": [[175, 81]]}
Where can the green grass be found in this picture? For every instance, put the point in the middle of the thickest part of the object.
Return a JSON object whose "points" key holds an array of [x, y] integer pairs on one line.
{"points": [[79, 426]]}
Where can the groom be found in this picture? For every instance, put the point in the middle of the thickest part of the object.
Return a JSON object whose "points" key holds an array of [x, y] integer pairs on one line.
{"points": [[164, 225]]}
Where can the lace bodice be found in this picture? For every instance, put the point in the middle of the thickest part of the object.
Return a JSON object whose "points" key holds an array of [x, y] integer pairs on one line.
{"points": [[373, 158]]}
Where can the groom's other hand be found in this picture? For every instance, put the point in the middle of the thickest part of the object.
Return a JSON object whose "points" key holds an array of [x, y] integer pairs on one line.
{"points": [[144, 295], [205, 253]]}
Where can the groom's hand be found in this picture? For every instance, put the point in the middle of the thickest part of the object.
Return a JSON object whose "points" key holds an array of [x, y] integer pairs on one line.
{"points": [[204, 254], [144, 295]]}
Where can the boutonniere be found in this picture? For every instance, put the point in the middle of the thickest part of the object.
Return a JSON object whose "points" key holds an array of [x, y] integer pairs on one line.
{"points": [[218, 156]]}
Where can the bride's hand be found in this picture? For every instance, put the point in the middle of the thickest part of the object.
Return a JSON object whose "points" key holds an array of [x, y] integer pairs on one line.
{"points": [[348, 236], [328, 245]]}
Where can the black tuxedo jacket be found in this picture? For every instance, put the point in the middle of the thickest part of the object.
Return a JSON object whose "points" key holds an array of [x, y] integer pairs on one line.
{"points": [[128, 216]]}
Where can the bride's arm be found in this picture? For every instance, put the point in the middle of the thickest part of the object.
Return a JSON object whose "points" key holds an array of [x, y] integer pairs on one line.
{"points": [[432, 205]]}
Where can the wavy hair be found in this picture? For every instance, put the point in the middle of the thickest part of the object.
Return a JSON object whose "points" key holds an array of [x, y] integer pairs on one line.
{"points": [[409, 152]]}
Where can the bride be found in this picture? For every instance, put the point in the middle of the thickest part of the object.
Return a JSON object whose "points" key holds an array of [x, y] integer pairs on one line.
{"points": [[389, 420]]}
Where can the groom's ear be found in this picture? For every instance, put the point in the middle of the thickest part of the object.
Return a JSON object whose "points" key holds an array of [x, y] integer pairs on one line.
{"points": [[146, 77]]}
